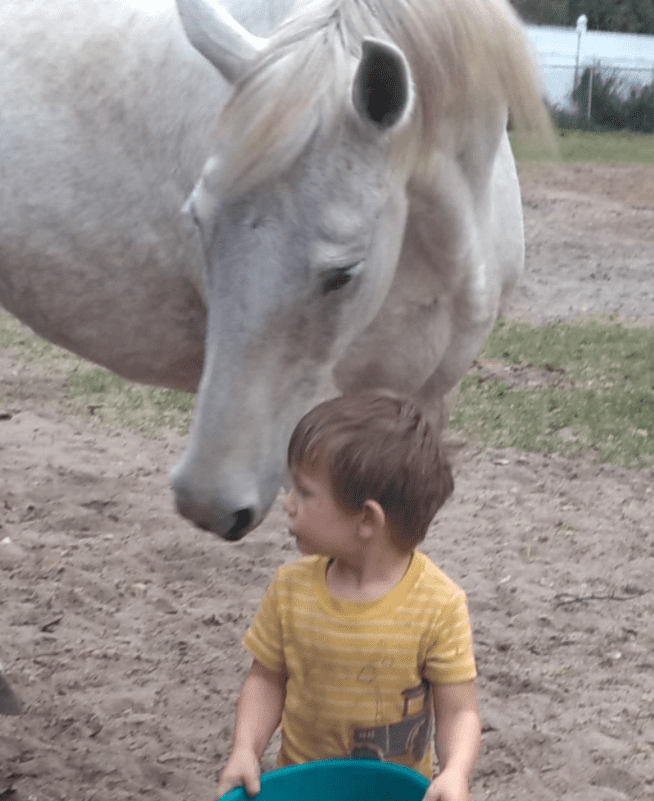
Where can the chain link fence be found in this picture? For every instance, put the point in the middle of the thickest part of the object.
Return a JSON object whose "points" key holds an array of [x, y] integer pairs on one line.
{"points": [[578, 66], [560, 81]]}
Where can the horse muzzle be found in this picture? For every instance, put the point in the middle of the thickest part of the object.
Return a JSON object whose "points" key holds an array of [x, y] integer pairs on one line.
{"points": [[228, 508]]}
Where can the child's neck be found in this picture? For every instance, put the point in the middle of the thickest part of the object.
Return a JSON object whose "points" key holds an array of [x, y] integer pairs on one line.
{"points": [[371, 578]]}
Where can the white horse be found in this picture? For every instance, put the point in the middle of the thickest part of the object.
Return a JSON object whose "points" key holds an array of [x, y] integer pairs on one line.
{"points": [[357, 220]]}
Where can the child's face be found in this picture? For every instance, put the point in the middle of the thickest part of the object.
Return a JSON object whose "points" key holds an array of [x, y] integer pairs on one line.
{"points": [[316, 520]]}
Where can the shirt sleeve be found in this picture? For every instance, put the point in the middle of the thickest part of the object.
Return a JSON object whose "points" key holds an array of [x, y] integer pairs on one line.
{"points": [[450, 658], [264, 637]]}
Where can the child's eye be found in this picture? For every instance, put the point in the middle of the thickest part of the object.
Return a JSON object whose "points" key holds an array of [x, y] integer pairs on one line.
{"points": [[302, 490], [293, 482]]}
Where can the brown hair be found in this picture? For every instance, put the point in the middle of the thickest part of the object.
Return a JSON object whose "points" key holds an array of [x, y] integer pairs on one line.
{"points": [[377, 447]]}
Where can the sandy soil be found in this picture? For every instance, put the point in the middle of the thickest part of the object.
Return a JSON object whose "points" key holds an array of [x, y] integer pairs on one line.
{"points": [[120, 625]]}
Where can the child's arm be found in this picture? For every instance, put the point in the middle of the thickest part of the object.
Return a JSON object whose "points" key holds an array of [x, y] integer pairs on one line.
{"points": [[458, 740], [258, 712]]}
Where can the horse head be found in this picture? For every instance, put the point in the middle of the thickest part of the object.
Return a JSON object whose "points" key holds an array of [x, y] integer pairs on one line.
{"points": [[300, 212]]}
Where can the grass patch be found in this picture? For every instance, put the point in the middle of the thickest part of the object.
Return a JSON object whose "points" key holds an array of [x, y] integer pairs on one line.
{"points": [[85, 389], [14, 334], [622, 147], [123, 404], [569, 388]]}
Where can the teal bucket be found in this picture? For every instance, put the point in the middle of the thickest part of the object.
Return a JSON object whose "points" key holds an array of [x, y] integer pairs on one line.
{"points": [[338, 780]]}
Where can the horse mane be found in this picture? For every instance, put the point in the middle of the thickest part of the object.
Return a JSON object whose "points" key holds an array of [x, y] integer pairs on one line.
{"points": [[464, 55]]}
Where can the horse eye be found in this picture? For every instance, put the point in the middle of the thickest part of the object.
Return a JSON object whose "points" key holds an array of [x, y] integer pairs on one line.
{"points": [[337, 278]]}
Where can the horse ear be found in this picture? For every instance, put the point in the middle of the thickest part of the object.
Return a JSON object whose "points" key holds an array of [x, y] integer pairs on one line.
{"points": [[213, 32], [382, 92]]}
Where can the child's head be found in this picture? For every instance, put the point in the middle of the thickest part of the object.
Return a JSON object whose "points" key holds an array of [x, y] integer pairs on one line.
{"points": [[381, 448]]}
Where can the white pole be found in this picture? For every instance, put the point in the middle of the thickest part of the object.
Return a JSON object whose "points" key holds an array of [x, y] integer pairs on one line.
{"points": [[582, 26]]}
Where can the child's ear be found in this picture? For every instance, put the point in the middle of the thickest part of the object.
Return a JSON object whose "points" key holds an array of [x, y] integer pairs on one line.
{"points": [[373, 519]]}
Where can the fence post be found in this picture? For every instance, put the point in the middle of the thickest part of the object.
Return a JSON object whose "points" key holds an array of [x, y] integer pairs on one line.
{"points": [[590, 92], [582, 26]]}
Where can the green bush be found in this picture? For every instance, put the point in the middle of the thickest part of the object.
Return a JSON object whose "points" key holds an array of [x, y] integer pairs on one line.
{"points": [[640, 110], [567, 121], [609, 109]]}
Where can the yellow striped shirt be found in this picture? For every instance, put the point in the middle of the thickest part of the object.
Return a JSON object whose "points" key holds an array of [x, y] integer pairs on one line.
{"points": [[359, 673]]}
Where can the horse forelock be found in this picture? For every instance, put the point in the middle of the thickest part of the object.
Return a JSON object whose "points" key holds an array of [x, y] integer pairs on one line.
{"points": [[283, 103], [463, 55]]}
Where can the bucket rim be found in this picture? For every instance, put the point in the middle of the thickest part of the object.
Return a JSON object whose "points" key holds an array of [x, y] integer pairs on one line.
{"points": [[323, 765]]}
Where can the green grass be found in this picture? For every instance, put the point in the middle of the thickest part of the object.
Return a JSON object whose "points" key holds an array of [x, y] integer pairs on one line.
{"points": [[83, 388], [571, 388], [32, 348], [148, 410], [595, 393], [578, 146]]}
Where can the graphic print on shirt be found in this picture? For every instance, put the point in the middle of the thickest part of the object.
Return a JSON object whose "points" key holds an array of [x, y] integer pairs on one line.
{"points": [[369, 676], [410, 735]]}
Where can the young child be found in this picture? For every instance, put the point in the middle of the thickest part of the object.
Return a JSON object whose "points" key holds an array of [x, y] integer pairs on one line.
{"points": [[358, 641]]}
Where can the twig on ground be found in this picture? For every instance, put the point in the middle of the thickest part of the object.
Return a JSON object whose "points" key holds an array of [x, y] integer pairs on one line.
{"points": [[566, 598]]}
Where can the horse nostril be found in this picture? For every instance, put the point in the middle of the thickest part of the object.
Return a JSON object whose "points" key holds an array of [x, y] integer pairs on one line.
{"points": [[243, 521]]}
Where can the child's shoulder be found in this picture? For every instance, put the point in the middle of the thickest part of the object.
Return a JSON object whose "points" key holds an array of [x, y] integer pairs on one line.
{"points": [[432, 576], [299, 570]]}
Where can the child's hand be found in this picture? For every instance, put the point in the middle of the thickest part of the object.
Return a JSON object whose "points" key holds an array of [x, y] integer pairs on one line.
{"points": [[242, 770], [448, 786]]}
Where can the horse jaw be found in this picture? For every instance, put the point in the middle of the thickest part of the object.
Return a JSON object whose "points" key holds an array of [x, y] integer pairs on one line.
{"points": [[218, 37]]}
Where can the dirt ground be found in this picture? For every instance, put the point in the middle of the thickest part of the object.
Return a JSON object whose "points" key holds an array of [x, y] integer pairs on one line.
{"points": [[120, 624]]}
